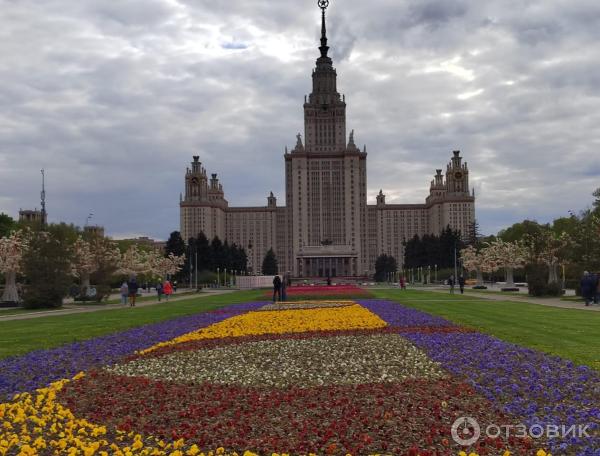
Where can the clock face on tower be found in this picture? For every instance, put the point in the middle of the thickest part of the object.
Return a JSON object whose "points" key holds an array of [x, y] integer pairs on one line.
{"points": [[458, 175]]}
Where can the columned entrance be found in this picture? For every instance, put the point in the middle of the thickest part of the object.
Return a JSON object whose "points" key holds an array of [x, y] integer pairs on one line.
{"points": [[327, 267]]}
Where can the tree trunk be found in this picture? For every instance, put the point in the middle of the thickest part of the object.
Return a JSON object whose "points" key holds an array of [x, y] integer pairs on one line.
{"points": [[479, 276], [553, 273], [11, 293], [510, 281], [85, 281]]}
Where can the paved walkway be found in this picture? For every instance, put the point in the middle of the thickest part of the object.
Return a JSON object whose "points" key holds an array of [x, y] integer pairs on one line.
{"points": [[550, 302], [71, 308]]}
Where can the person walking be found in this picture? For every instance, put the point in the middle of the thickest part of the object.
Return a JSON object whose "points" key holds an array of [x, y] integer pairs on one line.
{"points": [[402, 282], [587, 288], [597, 297], [167, 289], [276, 287], [461, 284], [124, 293], [159, 291], [451, 284], [133, 287]]}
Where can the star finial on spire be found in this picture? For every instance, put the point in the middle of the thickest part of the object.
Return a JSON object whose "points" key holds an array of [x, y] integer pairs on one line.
{"points": [[323, 4]]}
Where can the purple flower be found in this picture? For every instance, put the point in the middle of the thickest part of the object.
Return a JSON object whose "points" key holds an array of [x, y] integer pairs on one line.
{"points": [[41, 367], [396, 315], [537, 388]]}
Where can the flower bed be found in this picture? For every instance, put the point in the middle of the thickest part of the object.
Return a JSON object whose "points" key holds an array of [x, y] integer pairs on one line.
{"points": [[324, 292], [359, 379], [41, 367]]}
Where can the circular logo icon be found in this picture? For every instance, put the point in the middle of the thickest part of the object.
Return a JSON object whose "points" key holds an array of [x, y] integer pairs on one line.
{"points": [[465, 431]]}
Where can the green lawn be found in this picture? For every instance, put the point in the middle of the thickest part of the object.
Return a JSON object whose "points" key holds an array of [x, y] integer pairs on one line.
{"points": [[21, 336], [569, 333]]}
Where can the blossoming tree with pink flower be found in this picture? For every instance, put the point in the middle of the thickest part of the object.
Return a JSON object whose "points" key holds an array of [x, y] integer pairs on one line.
{"points": [[505, 255], [12, 248]]}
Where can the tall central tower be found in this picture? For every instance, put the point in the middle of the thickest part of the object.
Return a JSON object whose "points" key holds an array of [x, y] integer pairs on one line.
{"points": [[326, 182], [325, 110]]}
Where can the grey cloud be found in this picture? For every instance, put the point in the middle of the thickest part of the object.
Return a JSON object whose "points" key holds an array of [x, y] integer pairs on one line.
{"points": [[114, 98]]}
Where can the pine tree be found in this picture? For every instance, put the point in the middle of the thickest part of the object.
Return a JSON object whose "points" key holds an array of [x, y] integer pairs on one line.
{"points": [[269, 265], [175, 244], [384, 265]]}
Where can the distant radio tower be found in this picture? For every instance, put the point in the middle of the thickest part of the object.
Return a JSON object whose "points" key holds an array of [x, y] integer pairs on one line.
{"points": [[43, 197]]}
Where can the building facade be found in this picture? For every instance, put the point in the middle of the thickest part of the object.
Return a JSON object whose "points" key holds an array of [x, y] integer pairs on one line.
{"points": [[326, 227]]}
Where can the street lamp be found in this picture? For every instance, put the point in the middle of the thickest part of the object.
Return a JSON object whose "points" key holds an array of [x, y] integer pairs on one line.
{"points": [[218, 279], [435, 273], [225, 278]]}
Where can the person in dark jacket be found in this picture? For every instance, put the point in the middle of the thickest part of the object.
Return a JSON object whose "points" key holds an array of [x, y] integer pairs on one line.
{"points": [[133, 287], [461, 284], [159, 291], [588, 288], [276, 287], [597, 288]]}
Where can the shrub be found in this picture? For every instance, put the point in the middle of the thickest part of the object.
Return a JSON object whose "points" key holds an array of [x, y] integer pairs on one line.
{"points": [[537, 280], [554, 289]]}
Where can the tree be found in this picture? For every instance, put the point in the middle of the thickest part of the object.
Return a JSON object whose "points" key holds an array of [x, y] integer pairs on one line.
{"points": [[12, 249], [83, 262], [106, 256], [596, 203], [166, 266], [217, 254], [47, 266], [472, 260], [134, 262], [517, 231], [7, 225], [204, 252], [269, 265], [550, 250], [384, 265], [505, 255], [175, 244], [473, 234]]}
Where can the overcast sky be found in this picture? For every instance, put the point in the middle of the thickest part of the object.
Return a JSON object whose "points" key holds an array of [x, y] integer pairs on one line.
{"points": [[113, 98]]}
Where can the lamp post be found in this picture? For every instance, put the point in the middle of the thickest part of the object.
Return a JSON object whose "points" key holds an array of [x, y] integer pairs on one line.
{"points": [[435, 273], [225, 277], [455, 264], [218, 278], [429, 274]]}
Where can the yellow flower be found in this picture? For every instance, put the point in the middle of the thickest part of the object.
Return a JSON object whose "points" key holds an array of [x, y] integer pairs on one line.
{"points": [[284, 321]]}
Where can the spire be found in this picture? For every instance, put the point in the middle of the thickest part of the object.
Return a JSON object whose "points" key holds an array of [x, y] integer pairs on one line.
{"points": [[323, 4]]}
